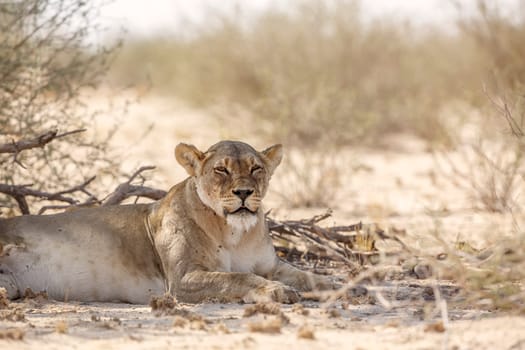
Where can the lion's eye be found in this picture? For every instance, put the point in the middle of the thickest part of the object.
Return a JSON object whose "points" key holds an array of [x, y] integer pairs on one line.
{"points": [[256, 168], [221, 170]]}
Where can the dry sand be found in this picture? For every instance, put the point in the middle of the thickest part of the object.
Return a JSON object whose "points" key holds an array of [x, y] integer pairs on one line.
{"points": [[396, 187], [110, 326]]}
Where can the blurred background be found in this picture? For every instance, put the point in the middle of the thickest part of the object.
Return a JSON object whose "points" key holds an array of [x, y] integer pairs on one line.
{"points": [[337, 72], [349, 87]]}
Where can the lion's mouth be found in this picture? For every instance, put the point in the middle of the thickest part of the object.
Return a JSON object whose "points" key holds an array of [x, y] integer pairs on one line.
{"points": [[242, 210]]}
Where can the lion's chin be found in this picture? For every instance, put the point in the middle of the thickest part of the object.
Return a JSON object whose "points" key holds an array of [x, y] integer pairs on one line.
{"points": [[242, 221]]}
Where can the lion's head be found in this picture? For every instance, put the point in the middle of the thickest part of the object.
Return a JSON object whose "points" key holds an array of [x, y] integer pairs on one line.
{"points": [[231, 178]]}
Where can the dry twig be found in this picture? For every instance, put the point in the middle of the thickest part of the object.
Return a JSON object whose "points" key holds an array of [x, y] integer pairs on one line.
{"points": [[20, 192], [339, 243], [122, 192]]}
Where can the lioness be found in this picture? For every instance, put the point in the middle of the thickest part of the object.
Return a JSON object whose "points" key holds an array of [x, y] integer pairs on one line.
{"points": [[207, 239]]}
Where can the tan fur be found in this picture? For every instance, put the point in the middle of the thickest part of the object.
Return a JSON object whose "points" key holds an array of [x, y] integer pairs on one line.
{"points": [[206, 240]]}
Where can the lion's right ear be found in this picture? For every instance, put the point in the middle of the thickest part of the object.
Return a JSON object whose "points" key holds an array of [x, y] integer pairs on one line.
{"points": [[189, 157]]}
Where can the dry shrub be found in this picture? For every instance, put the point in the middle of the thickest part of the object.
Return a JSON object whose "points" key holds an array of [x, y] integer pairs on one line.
{"points": [[262, 308], [490, 278], [498, 33], [299, 309], [436, 327], [198, 324], [332, 313], [489, 175], [47, 65], [37, 297], [12, 334], [266, 309], [179, 322], [221, 328], [4, 300], [164, 302], [306, 332], [271, 325], [490, 170], [310, 179], [13, 314], [166, 305], [61, 327]]}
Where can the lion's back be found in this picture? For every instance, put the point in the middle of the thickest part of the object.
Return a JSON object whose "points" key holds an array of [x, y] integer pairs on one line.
{"points": [[86, 254]]}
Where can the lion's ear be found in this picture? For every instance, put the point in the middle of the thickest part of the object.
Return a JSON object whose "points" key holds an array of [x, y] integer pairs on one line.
{"points": [[189, 157], [273, 156]]}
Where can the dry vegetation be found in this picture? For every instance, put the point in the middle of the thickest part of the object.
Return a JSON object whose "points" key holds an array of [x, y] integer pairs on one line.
{"points": [[318, 74], [46, 66]]}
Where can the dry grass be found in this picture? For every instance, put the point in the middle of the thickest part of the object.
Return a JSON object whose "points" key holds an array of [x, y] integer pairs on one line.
{"points": [[436, 327], [299, 309], [162, 303], [306, 332], [271, 325], [311, 181], [498, 39], [489, 278], [490, 172], [61, 327], [262, 308], [167, 305], [221, 328], [12, 334], [13, 313], [179, 322], [38, 297], [319, 74], [490, 177], [4, 300]]}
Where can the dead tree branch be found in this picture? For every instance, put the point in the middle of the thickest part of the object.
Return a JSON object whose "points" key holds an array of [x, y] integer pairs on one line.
{"points": [[126, 190], [121, 193], [36, 142], [20, 192], [351, 245]]}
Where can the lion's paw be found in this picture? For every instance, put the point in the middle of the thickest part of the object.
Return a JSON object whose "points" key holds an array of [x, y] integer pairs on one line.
{"points": [[325, 283], [272, 291]]}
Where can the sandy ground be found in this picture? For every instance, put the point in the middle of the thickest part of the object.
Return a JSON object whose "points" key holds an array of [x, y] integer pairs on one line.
{"points": [[56, 325], [397, 187]]}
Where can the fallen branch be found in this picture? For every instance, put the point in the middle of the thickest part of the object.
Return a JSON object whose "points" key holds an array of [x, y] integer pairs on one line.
{"points": [[121, 193], [20, 192], [126, 190], [351, 245]]}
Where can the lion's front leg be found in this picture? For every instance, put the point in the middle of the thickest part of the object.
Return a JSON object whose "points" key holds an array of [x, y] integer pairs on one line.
{"points": [[301, 280], [197, 286]]}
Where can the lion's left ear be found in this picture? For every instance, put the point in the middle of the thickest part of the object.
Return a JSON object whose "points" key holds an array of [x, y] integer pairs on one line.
{"points": [[189, 157], [273, 156]]}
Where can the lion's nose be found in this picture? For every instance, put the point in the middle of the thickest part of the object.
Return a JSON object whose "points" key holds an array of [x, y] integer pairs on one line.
{"points": [[242, 193]]}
